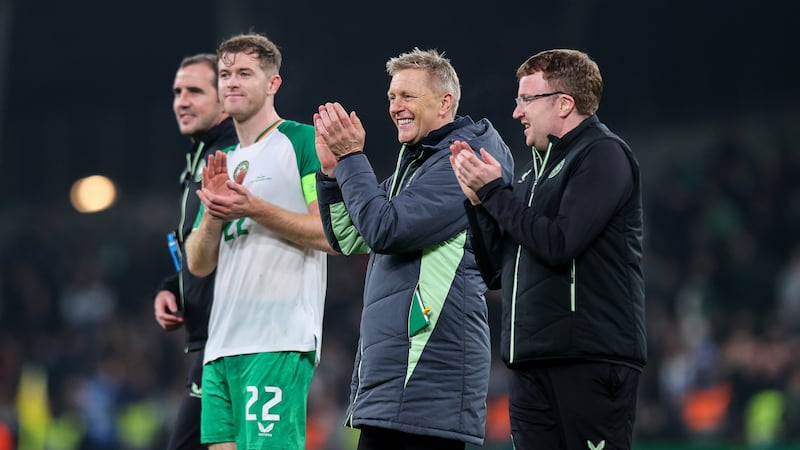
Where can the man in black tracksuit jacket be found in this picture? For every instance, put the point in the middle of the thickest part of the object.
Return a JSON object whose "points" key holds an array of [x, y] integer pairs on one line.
{"points": [[565, 244], [183, 299]]}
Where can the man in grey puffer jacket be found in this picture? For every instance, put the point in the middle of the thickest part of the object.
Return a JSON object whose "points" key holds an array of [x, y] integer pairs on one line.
{"points": [[422, 367]]}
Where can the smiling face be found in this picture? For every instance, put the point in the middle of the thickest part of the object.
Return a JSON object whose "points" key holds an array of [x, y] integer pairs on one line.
{"points": [[540, 117], [195, 102], [244, 87], [415, 107]]}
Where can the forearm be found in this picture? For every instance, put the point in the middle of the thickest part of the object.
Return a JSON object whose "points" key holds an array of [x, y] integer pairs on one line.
{"points": [[303, 229], [169, 283], [202, 246]]}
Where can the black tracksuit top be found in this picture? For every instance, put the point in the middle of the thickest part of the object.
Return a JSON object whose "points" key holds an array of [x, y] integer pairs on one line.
{"points": [[195, 294], [566, 249]]}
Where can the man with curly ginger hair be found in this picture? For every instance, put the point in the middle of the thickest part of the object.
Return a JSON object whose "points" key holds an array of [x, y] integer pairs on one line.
{"points": [[564, 243]]}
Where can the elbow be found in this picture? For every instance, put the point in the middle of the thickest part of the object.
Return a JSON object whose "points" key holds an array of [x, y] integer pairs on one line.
{"points": [[326, 247], [199, 270]]}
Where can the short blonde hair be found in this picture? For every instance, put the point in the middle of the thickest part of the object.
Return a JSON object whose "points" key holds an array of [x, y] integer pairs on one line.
{"points": [[441, 73]]}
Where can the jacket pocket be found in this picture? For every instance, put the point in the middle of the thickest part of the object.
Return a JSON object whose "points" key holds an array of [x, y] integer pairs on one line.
{"points": [[418, 320]]}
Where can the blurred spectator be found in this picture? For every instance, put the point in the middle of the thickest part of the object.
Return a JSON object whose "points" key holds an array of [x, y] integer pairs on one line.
{"points": [[788, 288]]}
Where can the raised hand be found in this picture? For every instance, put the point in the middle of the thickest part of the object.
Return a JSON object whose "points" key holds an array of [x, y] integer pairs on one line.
{"points": [[221, 196], [215, 174], [341, 133], [472, 172], [326, 159]]}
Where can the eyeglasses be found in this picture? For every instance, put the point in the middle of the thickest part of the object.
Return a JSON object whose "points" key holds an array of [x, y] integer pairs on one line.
{"points": [[523, 100]]}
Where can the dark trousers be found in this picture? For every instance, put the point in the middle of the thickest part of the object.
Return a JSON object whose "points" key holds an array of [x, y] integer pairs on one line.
{"points": [[573, 406], [186, 434], [373, 438]]}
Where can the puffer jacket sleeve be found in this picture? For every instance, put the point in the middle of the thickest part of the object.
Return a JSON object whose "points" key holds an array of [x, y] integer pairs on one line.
{"points": [[339, 230], [487, 243], [423, 213], [484, 232]]}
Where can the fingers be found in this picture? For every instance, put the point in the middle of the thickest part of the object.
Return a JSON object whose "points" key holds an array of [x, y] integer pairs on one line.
{"points": [[203, 197], [325, 115], [322, 124], [208, 170], [332, 117], [466, 160], [461, 156], [218, 211], [342, 133], [206, 198], [329, 121], [458, 146], [238, 188], [206, 178], [217, 165], [339, 111], [166, 307], [488, 158], [319, 125], [356, 121], [221, 162]]}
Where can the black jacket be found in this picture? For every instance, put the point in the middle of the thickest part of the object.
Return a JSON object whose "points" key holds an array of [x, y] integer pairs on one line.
{"points": [[194, 294], [566, 248]]}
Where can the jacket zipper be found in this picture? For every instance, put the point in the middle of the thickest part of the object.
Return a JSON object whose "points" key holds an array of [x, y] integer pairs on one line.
{"points": [[572, 284], [192, 163], [392, 193], [397, 187], [538, 172], [349, 420]]}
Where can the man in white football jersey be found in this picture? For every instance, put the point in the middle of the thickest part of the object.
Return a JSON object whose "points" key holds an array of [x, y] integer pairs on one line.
{"points": [[260, 229]]}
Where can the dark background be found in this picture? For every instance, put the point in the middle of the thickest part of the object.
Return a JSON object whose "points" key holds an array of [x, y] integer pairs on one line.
{"points": [[706, 93], [87, 85]]}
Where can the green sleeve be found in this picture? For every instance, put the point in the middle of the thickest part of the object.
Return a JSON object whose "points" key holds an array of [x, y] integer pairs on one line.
{"points": [[302, 138]]}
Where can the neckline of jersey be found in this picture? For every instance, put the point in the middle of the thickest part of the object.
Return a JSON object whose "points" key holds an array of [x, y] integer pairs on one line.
{"points": [[267, 130]]}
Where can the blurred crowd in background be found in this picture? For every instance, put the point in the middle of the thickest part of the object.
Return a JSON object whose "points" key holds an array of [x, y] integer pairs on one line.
{"points": [[83, 364]]}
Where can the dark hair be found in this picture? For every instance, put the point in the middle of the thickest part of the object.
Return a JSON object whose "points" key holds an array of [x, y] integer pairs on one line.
{"points": [[254, 44], [209, 59], [570, 71]]}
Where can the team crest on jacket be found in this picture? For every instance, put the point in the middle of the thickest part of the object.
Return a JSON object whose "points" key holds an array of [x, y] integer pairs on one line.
{"points": [[244, 165], [556, 169]]}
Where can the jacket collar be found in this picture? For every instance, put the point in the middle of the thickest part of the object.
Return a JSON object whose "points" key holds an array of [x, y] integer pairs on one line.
{"points": [[433, 141], [572, 135], [218, 131]]}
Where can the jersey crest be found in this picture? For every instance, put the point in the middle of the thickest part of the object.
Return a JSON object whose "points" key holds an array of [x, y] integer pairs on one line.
{"points": [[244, 165]]}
